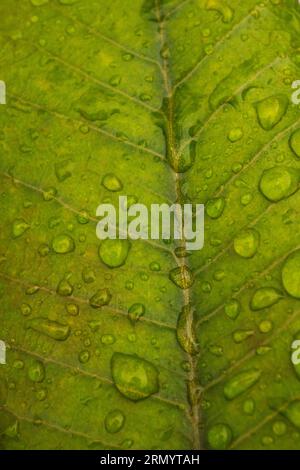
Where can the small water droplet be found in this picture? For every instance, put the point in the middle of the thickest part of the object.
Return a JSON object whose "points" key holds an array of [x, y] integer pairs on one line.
{"points": [[246, 243], [112, 183], [219, 436], [101, 298], [50, 328], [20, 226], [215, 207], [36, 372], [63, 244], [114, 421], [182, 277], [232, 309], [136, 311]]}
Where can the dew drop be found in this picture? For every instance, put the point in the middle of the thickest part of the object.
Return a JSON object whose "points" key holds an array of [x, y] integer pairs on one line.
{"points": [[271, 110], [36, 372], [185, 331], [246, 243], [292, 413], [232, 309], [294, 142], [64, 288], [265, 297], [291, 275], [114, 421], [215, 207], [63, 244], [50, 328], [20, 226], [101, 298], [113, 253], [111, 182], [278, 183], [136, 311], [219, 436], [241, 382], [235, 134], [84, 356], [134, 377]]}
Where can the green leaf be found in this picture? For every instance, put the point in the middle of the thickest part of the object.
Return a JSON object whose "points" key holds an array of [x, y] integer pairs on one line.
{"points": [[163, 101]]}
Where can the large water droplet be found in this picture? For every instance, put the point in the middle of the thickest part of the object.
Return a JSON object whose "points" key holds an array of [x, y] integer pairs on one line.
{"points": [[240, 383], [182, 277], [246, 243], [295, 142], [63, 244], [291, 275], [114, 253], [271, 110], [278, 183], [134, 377], [50, 328], [265, 297], [114, 421], [219, 436]]}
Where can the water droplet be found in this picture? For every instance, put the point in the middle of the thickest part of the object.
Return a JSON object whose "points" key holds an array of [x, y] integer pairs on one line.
{"points": [[25, 310], [235, 134], [249, 406], [114, 421], [136, 311], [278, 183], [63, 170], [291, 275], [294, 142], [41, 394], [108, 340], [19, 227], [114, 253], [246, 243], [50, 328], [63, 244], [101, 298], [240, 383], [265, 326], [134, 377], [219, 436], [265, 297], [88, 275], [279, 428], [64, 288], [72, 309], [292, 413], [271, 110], [232, 309], [241, 335], [215, 207], [84, 356], [155, 266], [182, 277], [36, 372], [111, 182], [185, 331]]}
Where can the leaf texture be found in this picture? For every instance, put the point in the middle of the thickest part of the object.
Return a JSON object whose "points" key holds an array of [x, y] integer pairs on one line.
{"points": [[143, 345]]}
